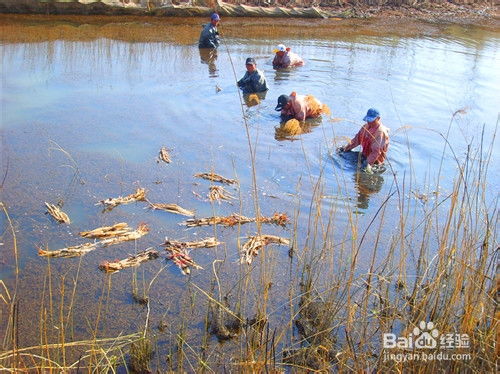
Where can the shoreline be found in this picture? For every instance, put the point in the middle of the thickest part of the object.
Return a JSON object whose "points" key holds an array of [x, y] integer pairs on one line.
{"points": [[434, 12]]}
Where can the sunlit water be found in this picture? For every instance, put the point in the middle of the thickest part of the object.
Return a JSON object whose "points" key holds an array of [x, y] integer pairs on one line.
{"points": [[112, 104]]}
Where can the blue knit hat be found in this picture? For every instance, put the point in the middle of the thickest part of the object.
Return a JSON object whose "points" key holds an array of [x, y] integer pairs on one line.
{"points": [[215, 17]]}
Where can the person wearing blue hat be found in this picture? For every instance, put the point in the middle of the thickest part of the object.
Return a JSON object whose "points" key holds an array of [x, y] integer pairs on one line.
{"points": [[209, 37], [254, 80], [374, 140]]}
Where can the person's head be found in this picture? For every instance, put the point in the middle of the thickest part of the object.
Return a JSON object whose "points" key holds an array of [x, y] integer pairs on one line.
{"points": [[373, 115], [214, 19], [280, 49], [251, 64], [282, 102]]}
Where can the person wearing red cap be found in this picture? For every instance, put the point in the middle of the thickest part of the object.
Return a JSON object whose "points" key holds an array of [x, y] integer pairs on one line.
{"points": [[284, 58], [374, 140], [300, 107], [209, 37]]}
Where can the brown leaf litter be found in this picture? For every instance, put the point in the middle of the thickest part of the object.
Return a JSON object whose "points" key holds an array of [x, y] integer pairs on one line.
{"points": [[172, 208], [218, 193], [57, 213], [138, 195], [164, 156], [255, 243], [280, 219], [215, 178], [114, 266]]}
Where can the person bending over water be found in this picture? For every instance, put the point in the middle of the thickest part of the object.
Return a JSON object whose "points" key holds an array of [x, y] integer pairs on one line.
{"points": [[300, 107], [209, 37], [284, 58], [374, 140], [253, 81]]}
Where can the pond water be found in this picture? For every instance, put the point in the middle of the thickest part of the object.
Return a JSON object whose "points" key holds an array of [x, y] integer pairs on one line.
{"points": [[87, 103]]}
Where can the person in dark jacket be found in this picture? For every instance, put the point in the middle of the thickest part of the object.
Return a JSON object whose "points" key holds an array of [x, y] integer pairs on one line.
{"points": [[209, 37], [253, 81]]}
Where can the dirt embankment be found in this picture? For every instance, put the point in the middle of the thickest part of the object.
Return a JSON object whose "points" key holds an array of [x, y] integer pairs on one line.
{"points": [[430, 10]]}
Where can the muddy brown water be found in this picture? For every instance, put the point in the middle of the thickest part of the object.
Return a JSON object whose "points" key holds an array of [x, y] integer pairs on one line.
{"points": [[112, 91]]}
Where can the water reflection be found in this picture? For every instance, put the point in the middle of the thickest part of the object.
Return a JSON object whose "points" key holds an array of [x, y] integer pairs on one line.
{"points": [[367, 185], [254, 99], [208, 56], [284, 74]]}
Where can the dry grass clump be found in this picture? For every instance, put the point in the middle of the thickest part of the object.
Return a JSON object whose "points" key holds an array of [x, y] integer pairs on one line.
{"points": [[73, 251], [181, 258], [136, 260], [219, 193], [141, 230], [280, 219], [164, 156], [138, 195], [315, 108], [57, 213], [172, 208], [204, 243], [255, 243], [106, 232], [216, 178], [289, 128]]}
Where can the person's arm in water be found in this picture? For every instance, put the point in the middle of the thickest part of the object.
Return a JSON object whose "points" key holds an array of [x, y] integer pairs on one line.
{"points": [[353, 143]]}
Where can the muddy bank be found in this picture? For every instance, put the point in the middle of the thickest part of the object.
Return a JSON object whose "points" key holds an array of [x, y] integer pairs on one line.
{"points": [[250, 8]]}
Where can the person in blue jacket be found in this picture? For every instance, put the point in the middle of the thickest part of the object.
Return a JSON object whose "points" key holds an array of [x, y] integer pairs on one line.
{"points": [[209, 37], [253, 81]]}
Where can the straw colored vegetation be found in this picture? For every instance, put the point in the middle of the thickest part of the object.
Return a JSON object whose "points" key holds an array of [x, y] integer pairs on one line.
{"points": [[215, 178], [136, 260], [280, 219], [316, 110], [204, 243], [74, 251], [141, 230], [219, 193], [106, 232], [343, 291], [164, 156], [289, 128], [115, 234], [179, 255], [110, 235], [57, 213], [325, 309], [182, 259], [172, 208], [255, 243], [138, 195]]}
